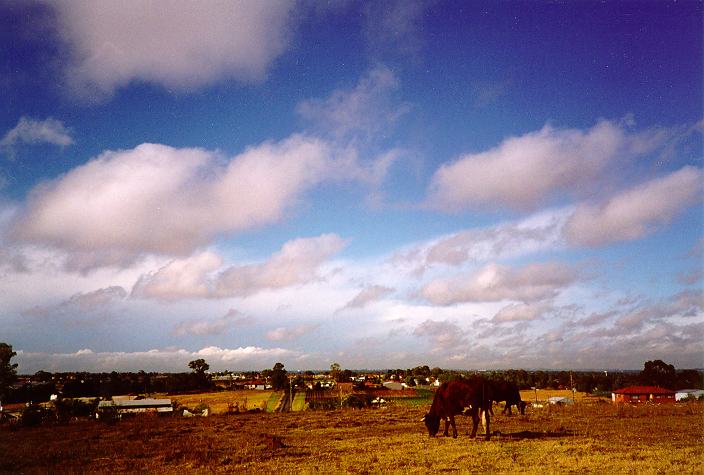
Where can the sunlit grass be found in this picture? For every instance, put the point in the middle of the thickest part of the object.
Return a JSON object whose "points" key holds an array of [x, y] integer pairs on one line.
{"points": [[584, 438]]}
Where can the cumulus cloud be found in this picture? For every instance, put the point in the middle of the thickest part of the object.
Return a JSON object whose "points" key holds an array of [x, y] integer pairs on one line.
{"points": [[524, 172], [178, 44], [180, 278], [535, 233], [636, 212], [297, 263], [366, 109], [33, 131], [495, 282], [202, 275], [163, 200]]}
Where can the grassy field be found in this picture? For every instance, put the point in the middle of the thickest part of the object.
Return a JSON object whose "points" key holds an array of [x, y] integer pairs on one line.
{"points": [[219, 401], [584, 438]]}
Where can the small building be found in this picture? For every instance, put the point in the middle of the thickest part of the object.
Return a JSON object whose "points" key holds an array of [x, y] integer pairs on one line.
{"points": [[393, 385], [560, 401], [637, 394], [683, 394], [135, 406]]}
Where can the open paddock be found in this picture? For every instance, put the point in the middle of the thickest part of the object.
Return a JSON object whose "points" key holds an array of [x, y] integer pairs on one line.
{"points": [[584, 438]]}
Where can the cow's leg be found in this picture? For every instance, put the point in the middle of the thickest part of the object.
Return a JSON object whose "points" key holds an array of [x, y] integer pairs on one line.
{"points": [[447, 426], [475, 422], [454, 427], [486, 425]]}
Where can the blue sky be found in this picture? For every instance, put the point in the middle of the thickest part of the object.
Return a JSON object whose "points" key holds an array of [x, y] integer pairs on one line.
{"points": [[377, 184]]}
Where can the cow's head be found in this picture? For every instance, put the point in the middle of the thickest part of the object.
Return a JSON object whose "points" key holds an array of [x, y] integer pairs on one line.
{"points": [[432, 422]]}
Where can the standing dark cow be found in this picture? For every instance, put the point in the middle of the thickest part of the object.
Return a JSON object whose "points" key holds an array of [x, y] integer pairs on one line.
{"points": [[452, 398], [506, 391]]}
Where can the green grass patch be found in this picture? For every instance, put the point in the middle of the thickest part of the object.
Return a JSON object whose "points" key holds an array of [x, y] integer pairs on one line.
{"points": [[299, 402]]}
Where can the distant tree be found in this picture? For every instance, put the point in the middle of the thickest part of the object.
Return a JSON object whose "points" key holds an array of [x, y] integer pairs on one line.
{"points": [[335, 371], [199, 367], [658, 373], [690, 379], [8, 371], [279, 380]]}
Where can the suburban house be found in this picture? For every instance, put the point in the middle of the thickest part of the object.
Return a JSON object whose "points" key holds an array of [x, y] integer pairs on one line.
{"points": [[636, 394]]}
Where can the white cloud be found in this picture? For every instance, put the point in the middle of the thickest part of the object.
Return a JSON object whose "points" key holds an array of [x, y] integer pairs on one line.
{"points": [[636, 212], [81, 303], [32, 131], [288, 334], [395, 27], [180, 278], [495, 282], [202, 275], [368, 295], [218, 326], [520, 312], [444, 335], [162, 200], [367, 108], [241, 358], [539, 232], [524, 172], [175, 43], [297, 263]]}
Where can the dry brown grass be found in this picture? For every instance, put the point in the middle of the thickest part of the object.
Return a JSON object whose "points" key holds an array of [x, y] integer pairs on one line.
{"points": [[585, 438]]}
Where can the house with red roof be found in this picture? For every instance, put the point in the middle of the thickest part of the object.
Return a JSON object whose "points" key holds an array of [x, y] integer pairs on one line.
{"points": [[636, 394]]}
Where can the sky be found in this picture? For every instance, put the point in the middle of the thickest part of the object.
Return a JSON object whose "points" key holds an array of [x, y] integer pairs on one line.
{"points": [[469, 185]]}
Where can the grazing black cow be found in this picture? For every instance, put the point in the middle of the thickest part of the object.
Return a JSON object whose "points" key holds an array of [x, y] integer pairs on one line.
{"points": [[506, 391], [452, 398]]}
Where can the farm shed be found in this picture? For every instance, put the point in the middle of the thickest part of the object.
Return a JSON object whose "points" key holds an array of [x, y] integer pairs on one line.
{"points": [[131, 406], [636, 394], [392, 385], [683, 394], [560, 401]]}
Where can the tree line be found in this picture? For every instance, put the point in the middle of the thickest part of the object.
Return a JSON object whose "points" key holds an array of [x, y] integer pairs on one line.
{"points": [[84, 384]]}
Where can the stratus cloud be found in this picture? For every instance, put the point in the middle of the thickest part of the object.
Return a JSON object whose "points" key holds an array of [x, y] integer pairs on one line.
{"points": [[495, 282], [521, 312], [81, 303], [242, 358], [202, 276], [523, 172], [637, 212], [206, 327], [368, 295], [175, 43], [33, 131], [288, 334], [163, 200]]}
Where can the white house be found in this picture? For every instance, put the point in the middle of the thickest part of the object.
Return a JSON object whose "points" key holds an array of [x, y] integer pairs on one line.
{"points": [[683, 394]]}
